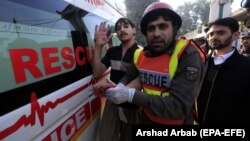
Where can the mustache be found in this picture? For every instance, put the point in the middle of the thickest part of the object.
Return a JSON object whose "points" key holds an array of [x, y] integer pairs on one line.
{"points": [[157, 40], [215, 40], [124, 33]]}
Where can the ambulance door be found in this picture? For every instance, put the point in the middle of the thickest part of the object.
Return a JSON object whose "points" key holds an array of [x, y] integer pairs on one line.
{"points": [[45, 72]]}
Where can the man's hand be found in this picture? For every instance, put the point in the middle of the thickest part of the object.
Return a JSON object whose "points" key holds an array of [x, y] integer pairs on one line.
{"points": [[120, 94], [102, 86], [101, 34]]}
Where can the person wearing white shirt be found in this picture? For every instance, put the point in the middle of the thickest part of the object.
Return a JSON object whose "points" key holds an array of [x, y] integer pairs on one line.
{"points": [[224, 98], [222, 58]]}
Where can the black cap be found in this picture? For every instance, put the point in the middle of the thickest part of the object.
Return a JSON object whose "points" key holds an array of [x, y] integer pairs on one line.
{"points": [[245, 3], [245, 34]]}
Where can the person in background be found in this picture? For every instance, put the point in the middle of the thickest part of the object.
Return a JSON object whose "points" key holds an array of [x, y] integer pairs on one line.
{"points": [[246, 4], [114, 126], [201, 41], [224, 96], [245, 44], [170, 69]]}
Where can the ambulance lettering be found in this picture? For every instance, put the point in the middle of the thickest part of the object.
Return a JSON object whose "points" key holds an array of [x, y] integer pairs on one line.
{"points": [[51, 61], [75, 123], [95, 2], [66, 130]]}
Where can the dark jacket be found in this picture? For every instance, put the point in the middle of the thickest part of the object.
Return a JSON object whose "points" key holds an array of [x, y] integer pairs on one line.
{"points": [[225, 93]]}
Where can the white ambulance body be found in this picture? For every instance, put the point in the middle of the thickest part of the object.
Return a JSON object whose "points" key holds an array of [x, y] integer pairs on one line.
{"points": [[46, 50]]}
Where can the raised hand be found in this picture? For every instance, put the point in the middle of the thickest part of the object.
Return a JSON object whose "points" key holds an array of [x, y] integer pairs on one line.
{"points": [[101, 34]]}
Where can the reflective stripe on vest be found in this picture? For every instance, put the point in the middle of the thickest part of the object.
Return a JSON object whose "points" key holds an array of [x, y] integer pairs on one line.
{"points": [[180, 46], [136, 54], [173, 64], [163, 120]]}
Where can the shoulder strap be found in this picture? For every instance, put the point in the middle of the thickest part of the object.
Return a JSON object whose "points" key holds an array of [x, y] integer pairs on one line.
{"points": [[181, 44], [202, 54], [137, 54]]}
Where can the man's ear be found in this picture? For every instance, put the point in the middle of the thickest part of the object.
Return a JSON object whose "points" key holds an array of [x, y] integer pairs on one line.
{"points": [[134, 31], [236, 35]]}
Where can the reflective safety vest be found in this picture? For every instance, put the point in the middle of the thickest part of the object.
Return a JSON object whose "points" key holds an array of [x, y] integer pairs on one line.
{"points": [[156, 74]]}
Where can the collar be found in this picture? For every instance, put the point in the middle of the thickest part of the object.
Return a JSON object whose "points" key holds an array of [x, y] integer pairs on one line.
{"points": [[222, 58], [133, 47]]}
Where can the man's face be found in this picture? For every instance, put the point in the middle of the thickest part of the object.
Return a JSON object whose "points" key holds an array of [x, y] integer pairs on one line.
{"points": [[245, 41], [219, 37], [159, 35], [124, 31]]}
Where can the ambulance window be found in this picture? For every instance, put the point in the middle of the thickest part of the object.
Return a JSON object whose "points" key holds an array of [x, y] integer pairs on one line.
{"points": [[37, 13], [91, 20], [5, 13]]}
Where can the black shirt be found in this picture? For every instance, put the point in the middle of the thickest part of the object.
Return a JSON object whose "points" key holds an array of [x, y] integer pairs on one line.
{"points": [[119, 64]]}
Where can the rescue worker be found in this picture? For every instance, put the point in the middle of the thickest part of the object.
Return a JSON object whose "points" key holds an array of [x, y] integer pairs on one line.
{"points": [[114, 126], [224, 97], [245, 44], [170, 70]]}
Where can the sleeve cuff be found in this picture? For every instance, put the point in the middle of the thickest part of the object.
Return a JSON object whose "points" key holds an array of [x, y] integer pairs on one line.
{"points": [[131, 94]]}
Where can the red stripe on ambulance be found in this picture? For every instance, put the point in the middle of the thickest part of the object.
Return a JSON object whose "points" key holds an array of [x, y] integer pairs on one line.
{"points": [[40, 110], [73, 124]]}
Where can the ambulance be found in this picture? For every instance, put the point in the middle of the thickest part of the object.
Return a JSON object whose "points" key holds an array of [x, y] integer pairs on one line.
{"points": [[46, 81]]}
